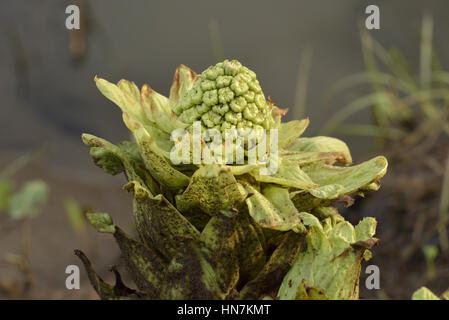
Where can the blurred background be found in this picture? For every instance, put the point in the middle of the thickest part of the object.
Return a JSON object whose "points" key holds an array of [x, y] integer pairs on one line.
{"points": [[382, 91]]}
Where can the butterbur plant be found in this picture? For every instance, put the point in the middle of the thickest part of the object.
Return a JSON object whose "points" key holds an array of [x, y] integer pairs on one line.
{"points": [[217, 228]]}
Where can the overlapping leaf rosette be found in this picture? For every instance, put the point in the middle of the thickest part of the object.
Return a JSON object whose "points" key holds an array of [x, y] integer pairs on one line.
{"points": [[223, 230]]}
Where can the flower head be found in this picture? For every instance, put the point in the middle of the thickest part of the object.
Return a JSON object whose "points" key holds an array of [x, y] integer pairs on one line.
{"points": [[226, 96]]}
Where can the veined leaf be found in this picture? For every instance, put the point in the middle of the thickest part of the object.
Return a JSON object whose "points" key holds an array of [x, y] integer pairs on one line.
{"points": [[280, 198], [267, 215], [158, 222], [212, 189], [321, 144], [289, 174], [338, 181], [331, 259], [115, 159]]}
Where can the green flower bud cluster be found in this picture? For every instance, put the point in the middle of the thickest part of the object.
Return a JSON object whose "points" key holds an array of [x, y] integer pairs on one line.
{"points": [[226, 96]]}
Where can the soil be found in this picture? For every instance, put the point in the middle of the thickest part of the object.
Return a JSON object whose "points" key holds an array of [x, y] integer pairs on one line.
{"points": [[406, 209], [53, 239]]}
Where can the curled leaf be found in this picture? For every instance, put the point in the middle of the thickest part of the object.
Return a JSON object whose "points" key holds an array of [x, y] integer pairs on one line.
{"points": [[106, 291], [321, 144], [280, 198], [182, 82], [115, 159], [290, 131], [158, 109], [289, 174], [157, 164], [101, 221], [270, 277], [338, 181], [212, 189], [267, 215], [330, 261], [159, 223]]}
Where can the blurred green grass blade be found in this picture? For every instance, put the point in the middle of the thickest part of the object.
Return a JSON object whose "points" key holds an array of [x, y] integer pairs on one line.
{"points": [[348, 110], [426, 51], [75, 214], [6, 191], [351, 81], [217, 44], [372, 49], [17, 164], [430, 254], [436, 68], [426, 101], [402, 70], [444, 210], [370, 61], [370, 131], [441, 76], [302, 84], [29, 200], [425, 95]]}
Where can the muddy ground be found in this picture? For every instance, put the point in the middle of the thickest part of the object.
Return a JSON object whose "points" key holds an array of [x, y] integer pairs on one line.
{"points": [[53, 239], [406, 208]]}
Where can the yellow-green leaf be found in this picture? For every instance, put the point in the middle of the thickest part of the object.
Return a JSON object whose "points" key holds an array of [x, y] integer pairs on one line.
{"points": [[290, 131], [101, 221], [424, 293], [337, 181], [321, 144], [331, 259]]}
